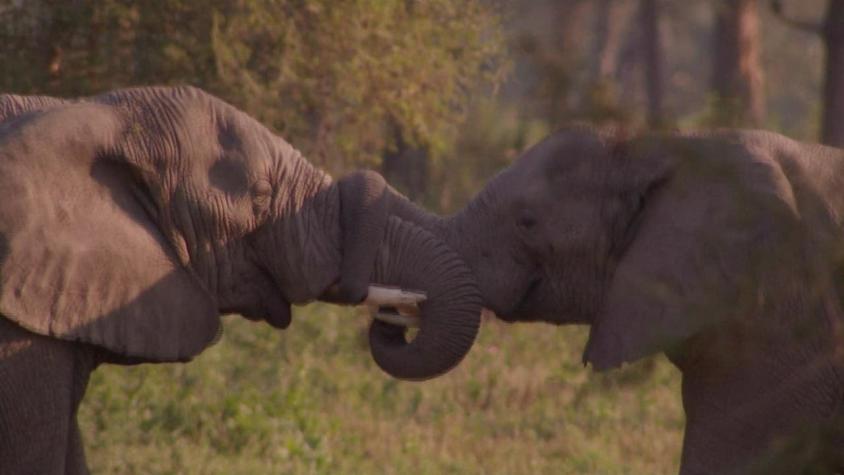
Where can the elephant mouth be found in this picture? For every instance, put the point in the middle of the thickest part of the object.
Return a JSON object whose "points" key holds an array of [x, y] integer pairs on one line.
{"points": [[274, 307], [521, 310]]}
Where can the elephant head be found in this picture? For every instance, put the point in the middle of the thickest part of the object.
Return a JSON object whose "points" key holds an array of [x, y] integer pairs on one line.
{"points": [[721, 249], [650, 239], [133, 219]]}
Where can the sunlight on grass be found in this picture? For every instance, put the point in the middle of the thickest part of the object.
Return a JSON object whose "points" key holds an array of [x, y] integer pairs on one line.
{"points": [[310, 400]]}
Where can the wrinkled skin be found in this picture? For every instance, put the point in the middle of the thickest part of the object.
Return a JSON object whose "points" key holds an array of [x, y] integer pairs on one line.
{"points": [[723, 250], [131, 221]]}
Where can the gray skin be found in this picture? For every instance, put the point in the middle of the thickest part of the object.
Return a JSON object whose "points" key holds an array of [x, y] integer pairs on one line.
{"points": [[723, 250], [131, 221]]}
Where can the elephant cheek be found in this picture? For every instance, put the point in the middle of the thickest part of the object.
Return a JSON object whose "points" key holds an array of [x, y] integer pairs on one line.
{"points": [[505, 285]]}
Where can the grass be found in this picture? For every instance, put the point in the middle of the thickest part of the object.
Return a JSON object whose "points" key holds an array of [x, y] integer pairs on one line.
{"points": [[310, 400]]}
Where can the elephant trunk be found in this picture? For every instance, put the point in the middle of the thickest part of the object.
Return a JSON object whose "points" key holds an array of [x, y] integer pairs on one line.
{"points": [[469, 233], [457, 230], [414, 258], [407, 210]]}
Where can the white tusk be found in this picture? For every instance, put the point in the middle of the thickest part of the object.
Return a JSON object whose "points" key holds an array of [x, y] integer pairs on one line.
{"points": [[380, 295], [409, 321], [403, 304]]}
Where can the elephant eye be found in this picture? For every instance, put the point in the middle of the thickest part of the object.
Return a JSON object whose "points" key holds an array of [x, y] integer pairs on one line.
{"points": [[526, 222], [262, 194]]}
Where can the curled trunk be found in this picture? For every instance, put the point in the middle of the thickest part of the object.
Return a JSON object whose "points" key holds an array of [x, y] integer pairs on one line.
{"points": [[413, 258], [407, 210]]}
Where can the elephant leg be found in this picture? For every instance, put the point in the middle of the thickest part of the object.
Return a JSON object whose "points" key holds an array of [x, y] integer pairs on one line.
{"points": [[42, 381], [75, 460], [760, 417], [835, 446]]}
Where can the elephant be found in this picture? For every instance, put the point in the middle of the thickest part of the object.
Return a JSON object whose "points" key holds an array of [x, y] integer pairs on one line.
{"points": [[132, 220], [721, 249]]}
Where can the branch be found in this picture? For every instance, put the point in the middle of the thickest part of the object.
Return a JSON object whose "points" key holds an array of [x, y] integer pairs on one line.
{"points": [[805, 26]]}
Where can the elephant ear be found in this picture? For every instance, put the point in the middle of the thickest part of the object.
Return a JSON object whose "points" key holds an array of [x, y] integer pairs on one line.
{"points": [[697, 222], [80, 256]]}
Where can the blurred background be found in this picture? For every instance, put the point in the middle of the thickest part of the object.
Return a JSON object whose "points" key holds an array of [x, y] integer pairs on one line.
{"points": [[438, 95]]}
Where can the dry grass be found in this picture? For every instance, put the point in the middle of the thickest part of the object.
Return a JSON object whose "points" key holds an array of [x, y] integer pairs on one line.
{"points": [[310, 400]]}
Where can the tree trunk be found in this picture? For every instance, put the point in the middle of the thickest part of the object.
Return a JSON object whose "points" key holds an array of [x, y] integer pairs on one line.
{"points": [[737, 77], [606, 42], [653, 66], [833, 94], [406, 167], [601, 99]]}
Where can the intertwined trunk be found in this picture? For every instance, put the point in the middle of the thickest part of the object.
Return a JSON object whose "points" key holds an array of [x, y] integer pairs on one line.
{"points": [[414, 258]]}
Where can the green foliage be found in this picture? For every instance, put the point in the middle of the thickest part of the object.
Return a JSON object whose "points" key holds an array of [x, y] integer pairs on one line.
{"points": [[310, 400], [346, 74], [336, 78], [495, 133]]}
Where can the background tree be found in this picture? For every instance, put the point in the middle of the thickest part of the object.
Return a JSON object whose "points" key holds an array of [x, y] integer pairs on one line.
{"points": [[831, 31], [737, 76], [833, 98], [649, 11]]}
